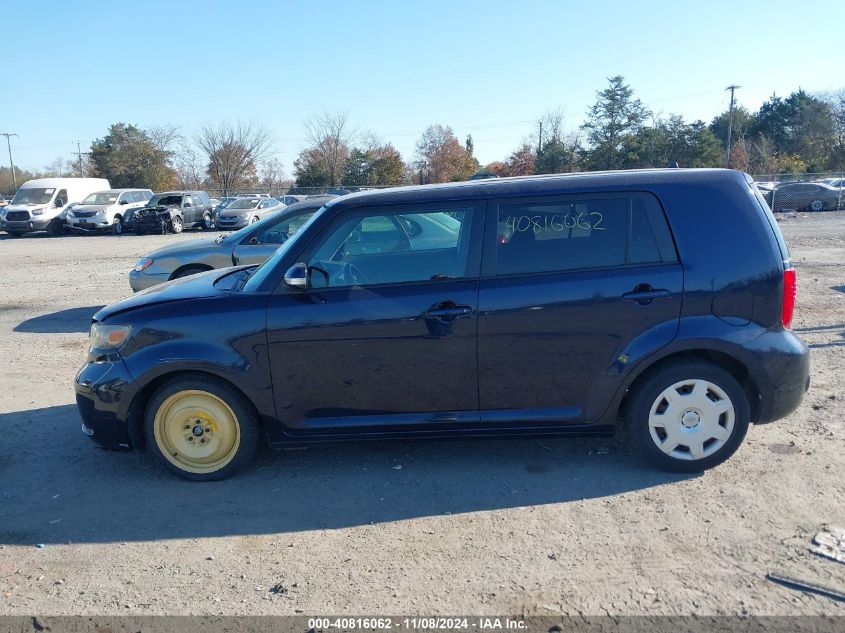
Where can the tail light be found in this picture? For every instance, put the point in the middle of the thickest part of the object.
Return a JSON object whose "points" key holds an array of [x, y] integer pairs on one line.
{"points": [[790, 291]]}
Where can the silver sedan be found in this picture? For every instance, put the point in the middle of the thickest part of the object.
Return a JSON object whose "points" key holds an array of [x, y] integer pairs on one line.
{"points": [[245, 211], [250, 245]]}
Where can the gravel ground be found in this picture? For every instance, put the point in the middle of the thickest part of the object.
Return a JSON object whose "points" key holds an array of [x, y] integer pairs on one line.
{"points": [[513, 526]]}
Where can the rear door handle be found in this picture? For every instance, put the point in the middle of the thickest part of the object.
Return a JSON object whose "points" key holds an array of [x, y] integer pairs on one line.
{"points": [[644, 294]]}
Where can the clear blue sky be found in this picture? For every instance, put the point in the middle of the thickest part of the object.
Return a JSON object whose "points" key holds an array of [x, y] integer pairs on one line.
{"points": [[489, 68]]}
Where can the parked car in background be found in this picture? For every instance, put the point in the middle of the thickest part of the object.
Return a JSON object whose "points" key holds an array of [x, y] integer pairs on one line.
{"points": [[224, 202], [839, 183], [215, 202], [291, 198], [245, 211], [539, 305], [806, 196], [4, 201], [172, 211], [105, 210], [41, 204], [250, 245]]}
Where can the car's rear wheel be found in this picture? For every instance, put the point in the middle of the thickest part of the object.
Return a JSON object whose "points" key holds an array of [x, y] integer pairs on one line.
{"points": [[817, 205], [117, 226], [176, 224], [201, 428], [688, 416]]}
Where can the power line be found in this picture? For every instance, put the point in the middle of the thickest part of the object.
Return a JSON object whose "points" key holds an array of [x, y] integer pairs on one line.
{"points": [[11, 162]]}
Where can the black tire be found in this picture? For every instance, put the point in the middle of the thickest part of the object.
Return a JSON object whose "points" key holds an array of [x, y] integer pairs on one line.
{"points": [[646, 393], [176, 224], [14, 234], [190, 270], [55, 228], [246, 419], [117, 227], [139, 232]]}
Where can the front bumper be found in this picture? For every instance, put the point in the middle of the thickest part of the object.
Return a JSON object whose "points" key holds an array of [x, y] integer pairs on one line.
{"points": [[25, 226], [143, 280], [104, 391], [93, 223], [150, 224], [231, 223]]}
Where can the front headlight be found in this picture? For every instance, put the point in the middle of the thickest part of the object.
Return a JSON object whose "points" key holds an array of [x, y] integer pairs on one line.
{"points": [[104, 336], [142, 264], [38, 211]]}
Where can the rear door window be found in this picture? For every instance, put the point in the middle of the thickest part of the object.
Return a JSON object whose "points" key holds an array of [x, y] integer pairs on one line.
{"points": [[580, 233]]}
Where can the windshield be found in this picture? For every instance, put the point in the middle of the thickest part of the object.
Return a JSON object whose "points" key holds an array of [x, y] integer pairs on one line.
{"points": [[34, 195], [263, 272], [101, 197], [164, 201], [244, 203]]}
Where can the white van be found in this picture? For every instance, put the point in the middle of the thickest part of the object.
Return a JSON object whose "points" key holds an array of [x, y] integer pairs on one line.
{"points": [[106, 210], [40, 204]]}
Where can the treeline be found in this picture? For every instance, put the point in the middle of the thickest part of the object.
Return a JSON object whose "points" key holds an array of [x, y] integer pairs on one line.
{"points": [[796, 134]]}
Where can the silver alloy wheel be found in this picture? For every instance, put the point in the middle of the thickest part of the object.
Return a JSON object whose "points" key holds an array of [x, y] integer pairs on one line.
{"points": [[208, 221], [117, 227], [176, 224], [817, 205], [692, 419], [253, 220]]}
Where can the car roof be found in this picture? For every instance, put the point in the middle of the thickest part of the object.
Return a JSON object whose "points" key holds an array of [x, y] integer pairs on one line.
{"points": [[539, 185]]}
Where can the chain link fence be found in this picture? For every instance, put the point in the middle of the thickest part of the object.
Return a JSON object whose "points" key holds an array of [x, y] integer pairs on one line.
{"points": [[803, 192]]}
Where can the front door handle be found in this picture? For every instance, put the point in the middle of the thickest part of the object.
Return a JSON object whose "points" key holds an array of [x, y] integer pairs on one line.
{"points": [[448, 311], [643, 294]]}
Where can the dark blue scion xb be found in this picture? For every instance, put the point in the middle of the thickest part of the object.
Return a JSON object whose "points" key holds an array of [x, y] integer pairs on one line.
{"points": [[541, 306]]}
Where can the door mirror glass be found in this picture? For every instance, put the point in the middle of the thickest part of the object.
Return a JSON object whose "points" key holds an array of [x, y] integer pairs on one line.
{"points": [[124, 201], [297, 276]]}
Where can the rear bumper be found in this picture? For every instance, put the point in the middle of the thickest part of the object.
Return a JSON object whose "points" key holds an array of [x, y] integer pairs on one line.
{"points": [[104, 391], [783, 376]]}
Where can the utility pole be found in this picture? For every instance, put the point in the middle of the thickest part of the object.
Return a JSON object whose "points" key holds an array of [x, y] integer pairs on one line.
{"points": [[540, 140], [732, 88], [79, 155], [11, 163]]}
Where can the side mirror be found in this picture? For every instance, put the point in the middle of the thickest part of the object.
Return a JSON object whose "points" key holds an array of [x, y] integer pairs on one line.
{"points": [[187, 204], [124, 202], [58, 203], [297, 276]]}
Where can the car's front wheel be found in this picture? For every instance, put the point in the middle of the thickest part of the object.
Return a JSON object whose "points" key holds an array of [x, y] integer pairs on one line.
{"points": [[817, 205], [201, 428], [176, 224], [117, 227], [207, 222], [688, 416]]}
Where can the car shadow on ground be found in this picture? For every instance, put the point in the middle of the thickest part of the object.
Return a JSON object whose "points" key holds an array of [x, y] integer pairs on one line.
{"points": [[60, 322], [56, 487], [824, 329]]}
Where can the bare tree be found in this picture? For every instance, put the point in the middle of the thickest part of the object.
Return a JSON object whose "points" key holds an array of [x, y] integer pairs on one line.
{"points": [[190, 166], [234, 150], [329, 138], [272, 175]]}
